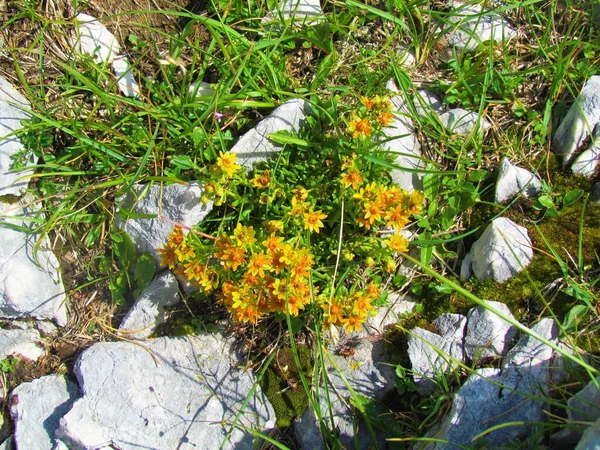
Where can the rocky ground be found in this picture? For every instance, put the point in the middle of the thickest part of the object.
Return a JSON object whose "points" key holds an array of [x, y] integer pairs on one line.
{"points": [[102, 381]]}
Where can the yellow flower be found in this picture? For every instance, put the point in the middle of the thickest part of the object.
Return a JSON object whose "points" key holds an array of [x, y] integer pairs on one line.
{"points": [[298, 207], [415, 204], [273, 226], [352, 178], [360, 128], [262, 181], [396, 217], [300, 193], [312, 221], [397, 242], [244, 235], [258, 264], [368, 102], [226, 162]]}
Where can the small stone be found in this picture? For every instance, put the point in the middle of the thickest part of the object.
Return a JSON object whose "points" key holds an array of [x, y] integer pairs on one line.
{"points": [[451, 326], [26, 343], [428, 103], [514, 180], [403, 143], [488, 335], [168, 392], [46, 328], [387, 316], [13, 109], [503, 250], [127, 84], [580, 120], [176, 203], [297, 11], [94, 39], [587, 163], [255, 146], [431, 355], [585, 405], [462, 122], [471, 27], [405, 57], [36, 409], [201, 89], [43, 295], [148, 312]]}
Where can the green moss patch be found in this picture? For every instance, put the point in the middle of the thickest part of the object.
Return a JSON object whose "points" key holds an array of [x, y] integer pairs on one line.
{"points": [[282, 386]]}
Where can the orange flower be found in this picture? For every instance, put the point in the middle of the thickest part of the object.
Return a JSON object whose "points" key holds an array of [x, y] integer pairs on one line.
{"points": [[368, 102], [397, 242], [262, 181], [226, 163], [273, 226], [385, 118], [360, 128], [244, 235], [396, 217], [168, 256], [312, 221], [258, 264], [352, 323], [298, 207], [352, 178]]}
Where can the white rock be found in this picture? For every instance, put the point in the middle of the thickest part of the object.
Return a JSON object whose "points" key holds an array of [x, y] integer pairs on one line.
{"points": [[428, 103], [587, 163], [471, 26], [585, 405], [531, 353], [169, 393], [255, 145], [405, 57], [591, 438], [8, 444], [298, 11], [503, 250], [580, 120], [94, 39], [201, 89], [176, 203], [42, 296], [514, 180], [13, 109], [36, 409], [148, 312], [45, 328], [431, 355], [128, 85], [25, 343], [462, 122], [451, 326], [405, 146], [487, 333], [369, 374], [387, 316]]}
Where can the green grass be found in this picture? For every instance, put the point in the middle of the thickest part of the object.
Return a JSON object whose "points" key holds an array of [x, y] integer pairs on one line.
{"points": [[91, 145]]}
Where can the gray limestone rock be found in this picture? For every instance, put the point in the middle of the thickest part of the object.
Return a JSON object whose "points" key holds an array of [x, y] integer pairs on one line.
{"points": [[513, 181], [296, 11], [13, 109], [201, 89], [128, 85], [36, 409], [405, 146], [24, 343], [587, 162], [585, 405], [431, 355], [580, 120], [503, 250], [462, 122], [30, 281], [428, 103], [451, 326], [8, 444], [471, 27], [487, 333], [591, 437], [94, 39], [255, 146], [164, 206], [166, 393], [387, 316], [148, 312], [368, 374], [492, 397]]}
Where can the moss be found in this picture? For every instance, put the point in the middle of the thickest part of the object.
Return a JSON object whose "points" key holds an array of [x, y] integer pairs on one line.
{"points": [[9, 199], [282, 386]]}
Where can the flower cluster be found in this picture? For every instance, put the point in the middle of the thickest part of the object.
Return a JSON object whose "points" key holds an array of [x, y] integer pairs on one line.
{"points": [[375, 113], [351, 311], [301, 208], [256, 278]]}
